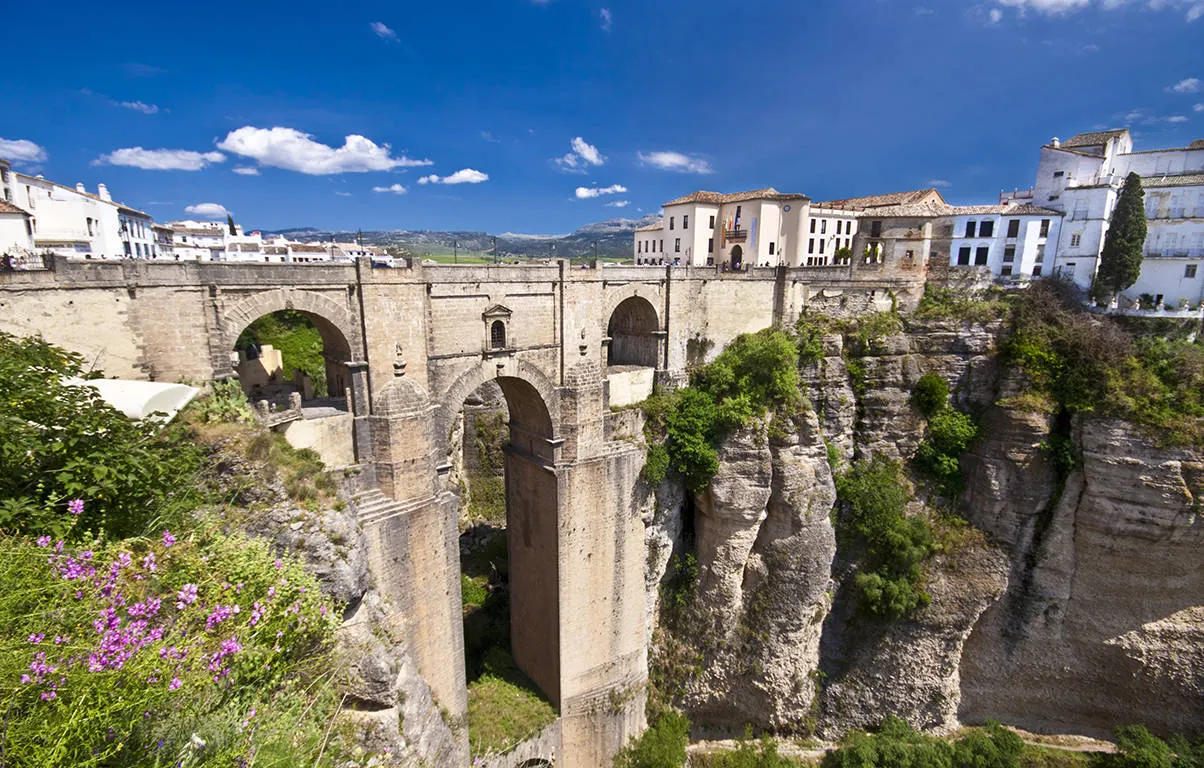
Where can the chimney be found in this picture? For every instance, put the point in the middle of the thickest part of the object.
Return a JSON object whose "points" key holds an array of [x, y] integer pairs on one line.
{"points": [[79, 187], [103, 193], [1055, 142]]}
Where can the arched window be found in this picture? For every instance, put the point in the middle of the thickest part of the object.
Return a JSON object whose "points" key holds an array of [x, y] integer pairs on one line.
{"points": [[497, 335]]}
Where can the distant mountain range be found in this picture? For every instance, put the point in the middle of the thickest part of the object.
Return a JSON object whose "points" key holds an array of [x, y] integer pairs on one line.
{"points": [[613, 239]]}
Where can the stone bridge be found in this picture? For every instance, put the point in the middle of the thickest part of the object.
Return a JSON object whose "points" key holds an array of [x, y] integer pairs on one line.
{"points": [[409, 345]]}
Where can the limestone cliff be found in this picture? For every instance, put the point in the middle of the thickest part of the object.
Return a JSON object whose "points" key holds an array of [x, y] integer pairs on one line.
{"points": [[1077, 605]]}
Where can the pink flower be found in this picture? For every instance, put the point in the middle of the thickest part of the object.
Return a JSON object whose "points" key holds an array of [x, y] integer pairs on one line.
{"points": [[148, 562], [279, 563], [36, 638], [76, 506], [48, 695], [186, 596], [168, 539], [174, 684], [43, 541]]}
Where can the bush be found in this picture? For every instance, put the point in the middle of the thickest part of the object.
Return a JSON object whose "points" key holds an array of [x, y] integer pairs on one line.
{"points": [[950, 434], [299, 342], [897, 745], [663, 745], [760, 753], [873, 499], [930, 395]]}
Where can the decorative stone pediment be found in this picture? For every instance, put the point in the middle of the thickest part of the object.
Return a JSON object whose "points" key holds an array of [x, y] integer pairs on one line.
{"points": [[497, 312]]}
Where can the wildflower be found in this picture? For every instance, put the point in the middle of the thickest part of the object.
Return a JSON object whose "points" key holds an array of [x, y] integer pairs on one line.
{"points": [[186, 596], [168, 539], [48, 695], [257, 612], [174, 684], [26, 679], [43, 541], [76, 507], [279, 563], [220, 613], [36, 638], [61, 639], [148, 562]]}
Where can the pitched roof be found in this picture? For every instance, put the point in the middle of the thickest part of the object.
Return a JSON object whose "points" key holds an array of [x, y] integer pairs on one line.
{"points": [[719, 198], [913, 197], [1093, 139], [912, 210], [657, 227], [1182, 180], [307, 247], [1026, 209], [7, 207]]}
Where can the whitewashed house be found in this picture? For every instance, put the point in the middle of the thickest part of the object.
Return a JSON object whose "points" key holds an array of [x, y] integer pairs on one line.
{"points": [[74, 222], [1013, 241], [1082, 177], [198, 240]]}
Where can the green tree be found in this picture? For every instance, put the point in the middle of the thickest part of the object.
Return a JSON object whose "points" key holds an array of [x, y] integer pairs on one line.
{"points": [[230, 223], [930, 395], [1120, 260]]}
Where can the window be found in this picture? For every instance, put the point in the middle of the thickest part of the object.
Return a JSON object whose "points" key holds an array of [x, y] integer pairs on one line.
{"points": [[1058, 174], [1076, 239], [639, 246], [677, 245], [1067, 270], [821, 246], [685, 221], [739, 210], [986, 229], [980, 255], [1037, 271], [1040, 253], [1013, 227], [1171, 244], [969, 229], [1006, 271], [811, 245], [839, 224], [963, 256], [671, 218], [1044, 228], [1080, 209], [813, 226], [823, 227], [711, 245], [771, 249], [875, 229], [712, 222], [1009, 254], [91, 230], [910, 254], [1190, 271], [497, 335], [1151, 207]]}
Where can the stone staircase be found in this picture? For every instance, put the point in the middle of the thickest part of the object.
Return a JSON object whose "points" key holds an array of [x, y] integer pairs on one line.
{"points": [[374, 506]]}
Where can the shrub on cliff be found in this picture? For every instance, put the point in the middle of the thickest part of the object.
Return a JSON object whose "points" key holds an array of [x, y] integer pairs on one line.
{"points": [[898, 745], [663, 745], [893, 547], [930, 395]]}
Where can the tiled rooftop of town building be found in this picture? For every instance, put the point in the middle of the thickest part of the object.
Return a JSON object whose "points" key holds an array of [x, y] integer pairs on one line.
{"points": [[718, 198]]}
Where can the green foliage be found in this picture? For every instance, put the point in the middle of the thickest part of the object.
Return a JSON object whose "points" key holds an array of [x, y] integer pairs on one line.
{"points": [[1121, 257], [297, 339], [897, 745], [656, 464], [809, 332], [225, 403], [894, 547], [192, 665], [60, 441], [939, 303], [930, 395], [1138, 748], [472, 592], [663, 745], [756, 373], [1086, 363], [504, 707], [759, 753], [950, 434], [871, 328], [300, 470]]}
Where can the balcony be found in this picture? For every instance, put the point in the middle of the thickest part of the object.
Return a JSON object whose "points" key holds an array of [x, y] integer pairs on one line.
{"points": [[735, 234]]}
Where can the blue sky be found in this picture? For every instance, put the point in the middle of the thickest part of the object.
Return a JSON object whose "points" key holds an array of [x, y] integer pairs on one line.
{"points": [[479, 103]]}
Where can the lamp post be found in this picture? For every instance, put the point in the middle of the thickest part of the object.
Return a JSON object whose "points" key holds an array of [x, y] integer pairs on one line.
{"points": [[455, 252]]}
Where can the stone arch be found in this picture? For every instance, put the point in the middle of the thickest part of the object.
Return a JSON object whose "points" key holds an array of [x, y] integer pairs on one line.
{"points": [[633, 333], [338, 327], [518, 375]]}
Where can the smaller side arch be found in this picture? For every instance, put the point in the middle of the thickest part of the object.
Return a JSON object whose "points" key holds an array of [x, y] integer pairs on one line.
{"points": [[634, 332]]}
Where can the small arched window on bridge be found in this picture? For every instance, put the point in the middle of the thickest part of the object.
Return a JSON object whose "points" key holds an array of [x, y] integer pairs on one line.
{"points": [[497, 335]]}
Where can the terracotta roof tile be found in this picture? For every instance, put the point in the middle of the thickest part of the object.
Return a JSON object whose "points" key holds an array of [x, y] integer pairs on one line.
{"points": [[1093, 139], [1181, 180], [719, 198], [7, 207], [913, 197]]}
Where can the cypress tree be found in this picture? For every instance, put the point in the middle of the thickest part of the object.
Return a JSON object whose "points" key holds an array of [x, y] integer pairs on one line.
{"points": [[230, 223], [1120, 260]]}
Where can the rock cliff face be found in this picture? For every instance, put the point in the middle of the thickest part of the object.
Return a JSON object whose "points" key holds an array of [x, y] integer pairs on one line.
{"points": [[1077, 606]]}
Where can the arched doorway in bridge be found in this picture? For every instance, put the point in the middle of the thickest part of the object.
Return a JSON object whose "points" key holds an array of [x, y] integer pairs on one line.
{"points": [[289, 351], [502, 457], [632, 333]]}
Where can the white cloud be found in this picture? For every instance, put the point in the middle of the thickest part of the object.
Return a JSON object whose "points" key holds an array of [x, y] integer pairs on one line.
{"points": [[138, 106], [22, 150], [583, 154], [396, 189], [939, 183], [487, 136], [462, 176], [1176, 119], [343, 194], [382, 31], [1143, 116], [1192, 9], [246, 170], [208, 210], [584, 193], [1186, 85], [1198, 108], [160, 159], [675, 161], [618, 204], [293, 150], [607, 19], [922, 11], [995, 15]]}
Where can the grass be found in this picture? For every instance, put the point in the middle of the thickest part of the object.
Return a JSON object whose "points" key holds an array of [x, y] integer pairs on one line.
{"points": [[504, 707], [487, 498], [1051, 757]]}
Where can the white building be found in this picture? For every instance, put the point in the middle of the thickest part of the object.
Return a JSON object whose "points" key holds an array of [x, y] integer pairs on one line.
{"points": [[70, 221], [1014, 241], [198, 240], [1083, 177]]}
